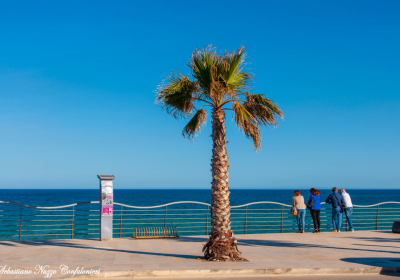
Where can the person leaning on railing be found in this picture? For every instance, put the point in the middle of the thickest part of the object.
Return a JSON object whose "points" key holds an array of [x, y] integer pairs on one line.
{"points": [[349, 208], [336, 200], [314, 204], [298, 203]]}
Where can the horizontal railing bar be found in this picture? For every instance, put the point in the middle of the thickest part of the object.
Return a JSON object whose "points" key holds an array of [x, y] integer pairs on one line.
{"points": [[116, 219], [145, 224], [258, 209], [189, 231], [54, 207], [53, 229], [162, 209], [163, 214], [163, 205], [357, 223], [46, 234], [53, 210], [117, 228], [169, 223], [49, 215], [46, 225], [45, 220]]}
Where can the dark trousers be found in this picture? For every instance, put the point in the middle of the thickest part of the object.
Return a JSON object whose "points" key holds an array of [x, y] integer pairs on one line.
{"points": [[315, 218]]}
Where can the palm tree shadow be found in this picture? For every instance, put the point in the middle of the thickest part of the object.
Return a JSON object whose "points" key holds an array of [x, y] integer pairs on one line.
{"points": [[63, 243], [280, 243]]}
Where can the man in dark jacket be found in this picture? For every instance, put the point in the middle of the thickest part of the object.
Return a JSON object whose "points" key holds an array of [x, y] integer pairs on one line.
{"points": [[336, 200]]}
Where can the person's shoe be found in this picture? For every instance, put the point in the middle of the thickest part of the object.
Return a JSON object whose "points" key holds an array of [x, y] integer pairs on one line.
{"points": [[351, 230], [315, 231], [333, 230], [299, 231], [338, 231], [302, 231]]}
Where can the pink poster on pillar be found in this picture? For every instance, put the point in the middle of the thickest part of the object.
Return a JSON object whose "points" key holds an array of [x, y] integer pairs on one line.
{"points": [[107, 210]]}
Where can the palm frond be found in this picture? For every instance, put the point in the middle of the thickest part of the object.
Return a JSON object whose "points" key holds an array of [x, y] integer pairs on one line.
{"points": [[176, 95], [232, 72], [240, 114], [247, 123], [194, 125], [203, 66], [262, 109], [252, 131]]}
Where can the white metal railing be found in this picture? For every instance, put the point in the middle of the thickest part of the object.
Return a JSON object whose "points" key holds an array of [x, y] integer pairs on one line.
{"points": [[81, 220], [244, 218]]}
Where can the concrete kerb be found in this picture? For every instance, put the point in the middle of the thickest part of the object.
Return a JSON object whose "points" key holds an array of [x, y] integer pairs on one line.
{"points": [[243, 272]]}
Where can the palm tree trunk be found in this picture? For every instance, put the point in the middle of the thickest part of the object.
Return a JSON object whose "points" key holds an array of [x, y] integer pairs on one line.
{"points": [[222, 245]]}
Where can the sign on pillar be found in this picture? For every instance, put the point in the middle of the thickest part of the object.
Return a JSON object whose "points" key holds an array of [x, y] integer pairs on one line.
{"points": [[106, 206]]}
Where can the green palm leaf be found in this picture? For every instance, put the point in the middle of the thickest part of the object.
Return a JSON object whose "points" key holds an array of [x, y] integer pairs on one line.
{"points": [[262, 109], [193, 127], [176, 95], [202, 64]]}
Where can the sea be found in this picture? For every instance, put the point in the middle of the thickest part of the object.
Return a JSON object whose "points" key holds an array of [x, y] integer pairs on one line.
{"points": [[153, 197]]}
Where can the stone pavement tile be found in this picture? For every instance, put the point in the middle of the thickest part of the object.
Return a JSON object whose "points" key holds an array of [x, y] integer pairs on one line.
{"points": [[135, 266], [122, 266], [107, 267]]}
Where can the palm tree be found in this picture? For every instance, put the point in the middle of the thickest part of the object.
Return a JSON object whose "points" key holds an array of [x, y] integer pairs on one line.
{"points": [[218, 81]]}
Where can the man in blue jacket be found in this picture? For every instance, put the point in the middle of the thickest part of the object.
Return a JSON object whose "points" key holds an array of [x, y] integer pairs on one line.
{"points": [[336, 200]]}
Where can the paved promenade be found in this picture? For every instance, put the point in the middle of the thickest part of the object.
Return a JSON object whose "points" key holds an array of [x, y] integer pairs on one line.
{"points": [[288, 253]]}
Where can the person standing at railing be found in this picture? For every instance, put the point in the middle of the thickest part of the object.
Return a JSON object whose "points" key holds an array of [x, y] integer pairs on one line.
{"points": [[336, 200], [314, 204], [349, 208], [298, 203]]}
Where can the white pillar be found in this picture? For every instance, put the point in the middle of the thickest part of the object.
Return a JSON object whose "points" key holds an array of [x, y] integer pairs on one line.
{"points": [[106, 206]]}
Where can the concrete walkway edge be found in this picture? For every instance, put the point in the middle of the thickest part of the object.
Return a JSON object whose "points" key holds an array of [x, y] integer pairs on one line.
{"points": [[244, 272]]}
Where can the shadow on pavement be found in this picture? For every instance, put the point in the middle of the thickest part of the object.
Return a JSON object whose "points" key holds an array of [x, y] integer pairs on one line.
{"points": [[378, 262], [78, 245], [273, 243]]}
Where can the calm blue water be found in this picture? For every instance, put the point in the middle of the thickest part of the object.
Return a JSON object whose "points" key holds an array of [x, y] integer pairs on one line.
{"points": [[140, 197]]}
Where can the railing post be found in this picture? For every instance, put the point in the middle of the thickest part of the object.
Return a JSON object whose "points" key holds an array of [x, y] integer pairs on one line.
{"points": [[120, 222], [165, 217], [377, 216], [282, 220], [72, 222], [20, 223], [245, 222], [208, 209]]}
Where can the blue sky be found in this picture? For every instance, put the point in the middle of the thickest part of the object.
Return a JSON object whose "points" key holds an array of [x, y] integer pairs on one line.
{"points": [[78, 80]]}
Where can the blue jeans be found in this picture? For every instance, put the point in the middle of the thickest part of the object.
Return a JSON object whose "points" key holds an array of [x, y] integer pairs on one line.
{"points": [[336, 214], [349, 211], [301, 219]]}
